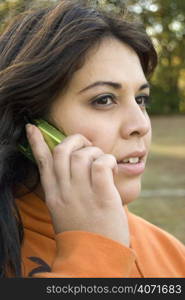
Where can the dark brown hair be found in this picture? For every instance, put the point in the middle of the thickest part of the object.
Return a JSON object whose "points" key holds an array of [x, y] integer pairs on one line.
{"points": [[39, 53]]}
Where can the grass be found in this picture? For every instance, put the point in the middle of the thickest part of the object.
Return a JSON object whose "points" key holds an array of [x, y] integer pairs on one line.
{"points": [[165, 171]]}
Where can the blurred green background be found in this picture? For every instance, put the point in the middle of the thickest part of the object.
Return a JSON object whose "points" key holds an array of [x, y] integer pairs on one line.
{"points": [[162, 201]]}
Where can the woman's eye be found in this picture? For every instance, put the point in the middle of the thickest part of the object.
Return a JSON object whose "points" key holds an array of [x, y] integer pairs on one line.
{"points": [[143, 100], [104, 101]]}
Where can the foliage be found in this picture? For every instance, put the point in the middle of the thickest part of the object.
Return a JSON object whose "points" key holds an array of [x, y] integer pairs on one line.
{"points": [[165, 23]]}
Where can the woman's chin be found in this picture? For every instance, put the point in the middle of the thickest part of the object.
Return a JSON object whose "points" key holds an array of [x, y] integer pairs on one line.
{"points": [[129, 189]]}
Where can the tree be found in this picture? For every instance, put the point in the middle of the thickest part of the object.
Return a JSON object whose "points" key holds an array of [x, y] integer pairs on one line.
{"points": [[165, 22]]}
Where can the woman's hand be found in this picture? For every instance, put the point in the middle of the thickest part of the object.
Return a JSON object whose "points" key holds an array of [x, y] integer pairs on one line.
{"points": [[79, 189]]}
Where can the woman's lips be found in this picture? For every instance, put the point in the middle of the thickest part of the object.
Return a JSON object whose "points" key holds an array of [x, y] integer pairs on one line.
{"points": [[131, 169]]}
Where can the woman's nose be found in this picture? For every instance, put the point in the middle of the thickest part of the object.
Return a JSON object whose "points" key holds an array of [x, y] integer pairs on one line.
{"points": [[136, 122]]}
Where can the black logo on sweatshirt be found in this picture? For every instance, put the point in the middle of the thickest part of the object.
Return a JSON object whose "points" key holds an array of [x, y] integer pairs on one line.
{"points": [[43, 266]]}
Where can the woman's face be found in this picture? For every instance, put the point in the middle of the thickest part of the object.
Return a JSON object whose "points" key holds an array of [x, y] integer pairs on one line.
{"points": [[105, 102]]}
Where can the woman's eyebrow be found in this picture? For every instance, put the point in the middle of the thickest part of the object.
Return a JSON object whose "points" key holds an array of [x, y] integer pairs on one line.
{"points": [[115, 85], [144, 86]]}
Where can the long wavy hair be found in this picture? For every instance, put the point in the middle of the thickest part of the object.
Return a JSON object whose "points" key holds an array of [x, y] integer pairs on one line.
{"points": [[39, 53]]}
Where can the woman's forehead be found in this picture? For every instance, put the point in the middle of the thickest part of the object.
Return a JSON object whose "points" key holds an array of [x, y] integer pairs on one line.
{"points": [[112, 61]]}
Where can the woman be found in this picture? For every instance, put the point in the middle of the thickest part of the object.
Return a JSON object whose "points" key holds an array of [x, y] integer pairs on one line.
{"points": [[85, 72]]}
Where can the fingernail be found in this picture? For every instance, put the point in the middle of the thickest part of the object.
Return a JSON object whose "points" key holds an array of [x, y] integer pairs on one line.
{"points": [[29, 129]]}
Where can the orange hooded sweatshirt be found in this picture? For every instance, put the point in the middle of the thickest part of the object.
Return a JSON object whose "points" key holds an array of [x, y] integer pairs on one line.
{"points": [[152, 253]]}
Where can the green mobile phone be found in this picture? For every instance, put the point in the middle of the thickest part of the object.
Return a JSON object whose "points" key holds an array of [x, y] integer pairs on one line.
{"points": [[51, 135]]}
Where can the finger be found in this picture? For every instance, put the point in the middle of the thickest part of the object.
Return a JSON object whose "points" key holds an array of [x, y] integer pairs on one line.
{"points": [[102, 172], [43, 158], [81, 161], [62, 155]]}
